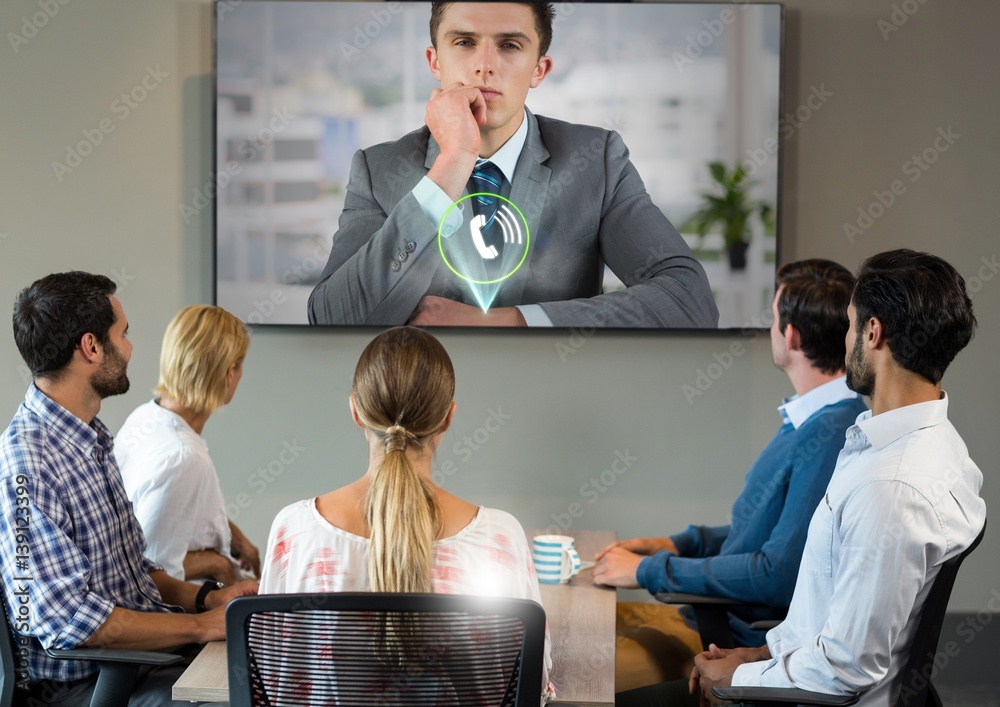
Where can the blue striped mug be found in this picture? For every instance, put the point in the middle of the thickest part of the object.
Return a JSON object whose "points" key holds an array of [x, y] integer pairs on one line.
{"points": [[556, 558]]}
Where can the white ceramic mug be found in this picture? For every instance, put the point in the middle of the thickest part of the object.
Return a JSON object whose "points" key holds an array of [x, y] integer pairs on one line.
{"points": [[556, 558]]}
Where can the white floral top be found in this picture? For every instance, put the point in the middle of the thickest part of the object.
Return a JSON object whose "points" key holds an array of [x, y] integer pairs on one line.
{"points": [[488, 557]]}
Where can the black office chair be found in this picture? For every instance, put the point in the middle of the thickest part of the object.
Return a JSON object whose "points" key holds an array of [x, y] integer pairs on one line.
{"points": [[712, 616], [916, 689], [360, 649], [118, 667]]}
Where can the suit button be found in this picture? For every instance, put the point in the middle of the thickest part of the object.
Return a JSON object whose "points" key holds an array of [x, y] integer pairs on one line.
{"points": [[402, 256], [410, 246], [394, 265]]}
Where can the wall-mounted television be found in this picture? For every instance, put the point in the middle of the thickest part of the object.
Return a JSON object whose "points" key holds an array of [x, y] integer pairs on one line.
{"points": [[692, 91]]}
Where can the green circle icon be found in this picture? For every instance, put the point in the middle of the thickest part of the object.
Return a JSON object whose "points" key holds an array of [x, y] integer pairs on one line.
{"points": [[441, 238]]}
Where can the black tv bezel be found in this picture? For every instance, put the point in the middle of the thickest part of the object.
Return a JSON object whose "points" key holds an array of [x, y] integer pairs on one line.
{"points": [[745, 330]]}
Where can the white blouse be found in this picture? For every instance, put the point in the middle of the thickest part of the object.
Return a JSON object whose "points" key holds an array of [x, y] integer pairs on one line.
{"points": [[173, 486], [488, 557]]}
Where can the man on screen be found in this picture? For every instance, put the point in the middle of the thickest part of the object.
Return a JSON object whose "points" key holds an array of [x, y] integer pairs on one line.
{"points": [[581, 198]]}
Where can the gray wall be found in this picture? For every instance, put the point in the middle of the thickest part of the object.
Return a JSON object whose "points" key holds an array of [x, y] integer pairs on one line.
{"points": [[566, 416]]}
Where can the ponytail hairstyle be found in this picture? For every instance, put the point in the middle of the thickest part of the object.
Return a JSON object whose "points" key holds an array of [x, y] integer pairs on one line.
{"points": [[404, 385]]}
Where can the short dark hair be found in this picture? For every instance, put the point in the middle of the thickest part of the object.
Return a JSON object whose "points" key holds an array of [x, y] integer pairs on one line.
{"points": [[814, 297], [543, 11], [922, 304], [53, 314]]}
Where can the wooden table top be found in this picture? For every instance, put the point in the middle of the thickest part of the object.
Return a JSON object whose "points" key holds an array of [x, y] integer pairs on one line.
{"points": [[581, 620]]}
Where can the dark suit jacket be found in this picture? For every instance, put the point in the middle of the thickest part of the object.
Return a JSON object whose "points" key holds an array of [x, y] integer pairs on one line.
{"points": [[585, 205]]}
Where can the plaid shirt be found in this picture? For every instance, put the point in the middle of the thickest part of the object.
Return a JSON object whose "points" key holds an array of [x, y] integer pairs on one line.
{"points": [[71, 549]]}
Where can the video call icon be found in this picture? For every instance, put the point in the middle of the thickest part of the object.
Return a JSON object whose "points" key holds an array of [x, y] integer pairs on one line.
{"points": [[508, 226], [486, 249]]}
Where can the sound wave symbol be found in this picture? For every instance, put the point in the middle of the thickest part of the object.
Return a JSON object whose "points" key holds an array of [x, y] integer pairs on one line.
{"points": [[509, 225]]}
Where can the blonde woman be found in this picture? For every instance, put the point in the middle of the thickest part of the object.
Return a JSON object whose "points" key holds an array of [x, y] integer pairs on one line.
{"points": [[168, 473], [394, 530]]}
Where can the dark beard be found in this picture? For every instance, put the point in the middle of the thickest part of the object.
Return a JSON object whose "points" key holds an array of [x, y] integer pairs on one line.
{"points": [[112, 379], [860, 376]]}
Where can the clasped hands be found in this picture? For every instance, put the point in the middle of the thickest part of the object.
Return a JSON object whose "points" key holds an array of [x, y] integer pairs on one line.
{"points": [[439, 311], [716, 667]]}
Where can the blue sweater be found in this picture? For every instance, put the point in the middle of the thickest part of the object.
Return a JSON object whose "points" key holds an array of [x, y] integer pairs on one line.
{"points": [[756, 557]]}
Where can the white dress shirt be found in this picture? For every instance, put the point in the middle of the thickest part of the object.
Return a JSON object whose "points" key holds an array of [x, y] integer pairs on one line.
{"points": [[173, 486], [903, 499], [799, 408]]}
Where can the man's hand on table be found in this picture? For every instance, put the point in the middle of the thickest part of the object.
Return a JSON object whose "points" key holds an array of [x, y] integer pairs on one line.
{"points": [[716, 667], [616, 567], [213, 621], [642, 546], [439, 311], [222, 597]]}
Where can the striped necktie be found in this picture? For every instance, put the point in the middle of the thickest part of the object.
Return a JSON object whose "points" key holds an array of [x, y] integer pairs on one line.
{"points": [[486, 177]]}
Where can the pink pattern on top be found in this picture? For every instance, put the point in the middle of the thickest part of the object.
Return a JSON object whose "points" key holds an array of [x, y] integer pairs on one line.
{"points": [[283, 542], [490, 556]]}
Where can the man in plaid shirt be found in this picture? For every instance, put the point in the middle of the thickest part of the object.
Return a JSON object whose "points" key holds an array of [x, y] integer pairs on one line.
{"points": [[71, 556]]}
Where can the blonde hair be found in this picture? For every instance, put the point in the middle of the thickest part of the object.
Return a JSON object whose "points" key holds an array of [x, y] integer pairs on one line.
{"points": [[404, 385], [199, 346]]}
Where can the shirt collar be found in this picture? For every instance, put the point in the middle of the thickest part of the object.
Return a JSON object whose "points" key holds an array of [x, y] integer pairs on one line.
{"points": [[66, 425], [507, 156], [799, 408], [884, 429]]}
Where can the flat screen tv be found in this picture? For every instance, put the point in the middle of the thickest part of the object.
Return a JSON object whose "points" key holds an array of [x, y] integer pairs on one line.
{"points": [[693, 91]]}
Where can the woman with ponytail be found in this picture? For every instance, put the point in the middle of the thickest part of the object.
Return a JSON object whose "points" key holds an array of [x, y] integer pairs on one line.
{"points": [[394, 529]]}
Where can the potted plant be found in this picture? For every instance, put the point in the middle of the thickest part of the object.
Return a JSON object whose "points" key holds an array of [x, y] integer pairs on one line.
{"points": [[730, 207]]}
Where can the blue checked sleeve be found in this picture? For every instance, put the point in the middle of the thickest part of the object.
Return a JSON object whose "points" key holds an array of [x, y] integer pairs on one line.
{"points": [[45, 572]]}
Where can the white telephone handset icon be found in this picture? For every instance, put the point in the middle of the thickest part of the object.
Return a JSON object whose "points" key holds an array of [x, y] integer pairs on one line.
{"points": [[475, 228]]}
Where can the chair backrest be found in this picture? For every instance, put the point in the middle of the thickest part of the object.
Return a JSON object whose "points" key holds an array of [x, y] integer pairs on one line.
{"points": [[384, 649], [916, 685]]}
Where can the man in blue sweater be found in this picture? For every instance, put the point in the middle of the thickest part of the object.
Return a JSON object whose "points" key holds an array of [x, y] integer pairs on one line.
{"points": [[755, 558]]}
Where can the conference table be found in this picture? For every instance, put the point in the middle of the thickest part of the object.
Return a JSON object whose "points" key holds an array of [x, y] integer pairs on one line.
{"points": [[581, 619]]}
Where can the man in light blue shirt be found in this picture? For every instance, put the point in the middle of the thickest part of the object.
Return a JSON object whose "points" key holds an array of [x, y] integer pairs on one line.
{"points": [[755, 558], [903, 500]]}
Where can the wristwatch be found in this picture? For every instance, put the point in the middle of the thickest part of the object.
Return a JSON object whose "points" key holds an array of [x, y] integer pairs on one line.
{"points": [[209, 586]]}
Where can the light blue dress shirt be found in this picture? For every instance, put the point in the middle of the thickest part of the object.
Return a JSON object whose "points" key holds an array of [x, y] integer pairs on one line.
{"points": [[903, 499]]}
